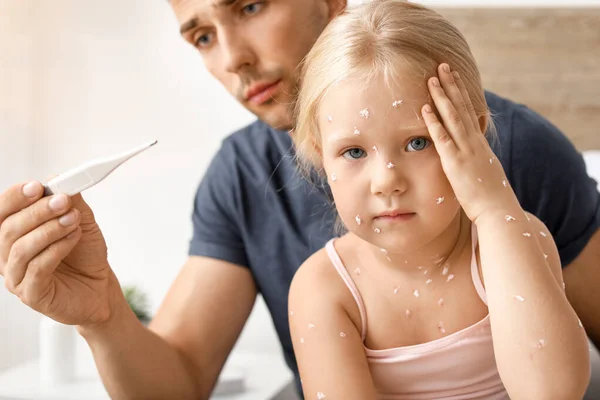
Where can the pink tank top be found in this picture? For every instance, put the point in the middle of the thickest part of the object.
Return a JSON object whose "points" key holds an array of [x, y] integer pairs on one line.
{"points": [[458, 366]]}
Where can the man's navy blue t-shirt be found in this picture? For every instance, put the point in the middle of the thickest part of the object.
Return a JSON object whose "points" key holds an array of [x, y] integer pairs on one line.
{"points": [[255, 210]]}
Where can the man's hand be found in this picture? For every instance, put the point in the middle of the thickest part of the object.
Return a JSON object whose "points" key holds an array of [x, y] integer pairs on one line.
{"points": [[53, 255]]}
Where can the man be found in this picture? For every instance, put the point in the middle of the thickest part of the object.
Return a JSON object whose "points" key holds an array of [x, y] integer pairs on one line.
{"points": [[255, 220]]}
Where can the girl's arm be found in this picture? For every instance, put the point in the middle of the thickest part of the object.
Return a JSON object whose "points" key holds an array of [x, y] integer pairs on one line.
{"points": [[327, 344], [541, 349]]}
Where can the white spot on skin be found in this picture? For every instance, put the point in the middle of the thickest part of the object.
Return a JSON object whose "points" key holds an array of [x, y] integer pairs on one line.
{"points": [[396, 103], [408, 314], [480, 180], [527, 216], [579, 322], [445, 270], [543, 234], [292, 313], [416, 293], [504, 183], [356, 131], [564, 285], [329, 118], [396, 290], [491, 160], [441, 302], [310, 326], [428, 281], [302, 340], [419, 267], [450, 277], [541, 343], [377, 230], [545, 256], [417, 115], [441, 327], [375, 149], [342, 335], [390, 165], [520, 298], [509, 218], [358, 220], [365, 113], [320, 396], [333, 177], [526, 234], [440, 200], [357, 271], [425, 272]]}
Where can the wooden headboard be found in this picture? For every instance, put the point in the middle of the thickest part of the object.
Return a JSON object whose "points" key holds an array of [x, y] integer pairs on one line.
{"points": [[545, 58]]}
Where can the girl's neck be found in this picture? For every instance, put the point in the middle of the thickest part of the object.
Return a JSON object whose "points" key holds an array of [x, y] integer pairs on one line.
{"points": [[437, 254]]}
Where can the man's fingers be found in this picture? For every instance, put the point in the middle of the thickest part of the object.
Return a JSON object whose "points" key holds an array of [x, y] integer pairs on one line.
{"points": [[35, 242], [38, 278], [18, 197], [28, 219]]}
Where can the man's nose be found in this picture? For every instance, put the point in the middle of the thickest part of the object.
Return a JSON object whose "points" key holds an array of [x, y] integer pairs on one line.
{"points": [[236, 51], [387, 178]]}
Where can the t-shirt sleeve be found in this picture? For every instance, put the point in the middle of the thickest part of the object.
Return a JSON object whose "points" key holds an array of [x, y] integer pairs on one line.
{"points": [[217, 231], [550, 179]]}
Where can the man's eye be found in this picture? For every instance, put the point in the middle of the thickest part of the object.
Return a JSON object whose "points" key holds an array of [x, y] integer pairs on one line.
{"points": [[354, 154], [204, 40], [252, 8], [418, 144]]}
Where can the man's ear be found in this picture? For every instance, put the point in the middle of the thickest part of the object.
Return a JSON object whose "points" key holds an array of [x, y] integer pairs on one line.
{"points": [[336, 7]]}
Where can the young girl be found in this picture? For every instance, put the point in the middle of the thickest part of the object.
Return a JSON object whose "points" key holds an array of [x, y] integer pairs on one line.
{"points": [[442, 287]]}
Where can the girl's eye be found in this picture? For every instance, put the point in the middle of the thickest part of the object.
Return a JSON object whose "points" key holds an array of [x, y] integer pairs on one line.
{"points": [[418, 144], [252, 8], [354, 154]]}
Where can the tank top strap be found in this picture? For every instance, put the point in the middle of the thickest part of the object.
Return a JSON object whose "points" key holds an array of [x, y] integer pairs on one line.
{"points": [[343, 272], [474, 270]]}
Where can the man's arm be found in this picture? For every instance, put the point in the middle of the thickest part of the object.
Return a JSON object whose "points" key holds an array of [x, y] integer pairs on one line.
{"points": [[582, 280], [181, 354]]}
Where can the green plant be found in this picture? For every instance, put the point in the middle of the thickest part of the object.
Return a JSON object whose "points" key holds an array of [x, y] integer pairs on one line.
{"points": [[138, 301]]}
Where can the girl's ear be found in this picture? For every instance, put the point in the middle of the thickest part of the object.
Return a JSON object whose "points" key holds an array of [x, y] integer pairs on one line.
{"points": [[483, 123]]}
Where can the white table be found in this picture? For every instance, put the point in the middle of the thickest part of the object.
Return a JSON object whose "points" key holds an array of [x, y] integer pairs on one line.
{"points": [[262, 375]]}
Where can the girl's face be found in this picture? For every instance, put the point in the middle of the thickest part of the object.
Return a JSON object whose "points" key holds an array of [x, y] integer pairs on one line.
{"points": [[385, 174]]}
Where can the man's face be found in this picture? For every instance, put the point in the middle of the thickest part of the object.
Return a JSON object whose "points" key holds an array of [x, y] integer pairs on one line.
{"points": [[254, 47]]}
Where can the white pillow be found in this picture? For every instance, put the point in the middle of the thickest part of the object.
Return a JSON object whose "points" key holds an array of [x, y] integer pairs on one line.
{"points": [[592, 162]]}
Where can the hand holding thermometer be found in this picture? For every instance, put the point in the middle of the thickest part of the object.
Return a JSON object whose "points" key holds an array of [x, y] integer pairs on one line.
{"points": [[90, 173]]}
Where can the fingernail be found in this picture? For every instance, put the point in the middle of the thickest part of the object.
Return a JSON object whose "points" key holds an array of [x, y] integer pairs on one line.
{"points": [[435, 82], [456, 75], [427, 108], [68, 219], [31, 189], [58, 202], [446, 68]]}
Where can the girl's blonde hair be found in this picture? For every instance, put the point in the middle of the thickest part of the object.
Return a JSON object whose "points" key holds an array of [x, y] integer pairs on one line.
{"points": [[389, 37]]}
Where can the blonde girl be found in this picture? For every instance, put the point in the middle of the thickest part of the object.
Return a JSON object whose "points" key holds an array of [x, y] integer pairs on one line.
{"points": [[443, 287]]}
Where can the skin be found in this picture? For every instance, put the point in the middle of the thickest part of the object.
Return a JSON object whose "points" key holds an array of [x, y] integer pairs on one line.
{"points": [[182, 352], [335, 364]]}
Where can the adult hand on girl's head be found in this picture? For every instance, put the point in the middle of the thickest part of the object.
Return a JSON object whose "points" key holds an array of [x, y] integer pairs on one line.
{"points": [[476, 176]]}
